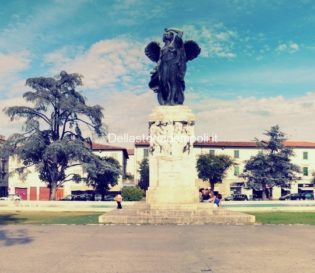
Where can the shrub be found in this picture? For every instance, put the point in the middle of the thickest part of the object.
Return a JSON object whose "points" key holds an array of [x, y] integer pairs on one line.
{"points": [[132, 193]]}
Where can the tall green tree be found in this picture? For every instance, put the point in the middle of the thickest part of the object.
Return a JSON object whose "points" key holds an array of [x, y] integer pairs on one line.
{"points": [[103, 173], [213, 168], [52, 140], [144, 181], [272, 166]]}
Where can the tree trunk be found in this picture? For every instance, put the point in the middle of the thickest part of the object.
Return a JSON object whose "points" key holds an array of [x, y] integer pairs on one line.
{"points": [[54, 181], [264, 196], [212, 186], [102, 191], [53, 191]]}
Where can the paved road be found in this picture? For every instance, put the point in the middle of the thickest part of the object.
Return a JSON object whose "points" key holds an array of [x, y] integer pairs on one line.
{"points": [[141, 249]]}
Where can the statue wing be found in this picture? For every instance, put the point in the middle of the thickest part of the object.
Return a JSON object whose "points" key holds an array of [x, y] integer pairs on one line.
{"points": [[152, 51], [192, 50]]}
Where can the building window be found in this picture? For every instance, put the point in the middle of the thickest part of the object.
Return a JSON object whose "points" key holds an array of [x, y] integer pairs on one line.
{"points": [[236, 170], [211, 152], [236, 154], [305, 155], [145, 153], [305, 171]]}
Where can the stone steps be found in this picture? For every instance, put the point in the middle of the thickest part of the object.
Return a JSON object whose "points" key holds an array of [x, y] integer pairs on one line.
{"points": [[143, 213]]}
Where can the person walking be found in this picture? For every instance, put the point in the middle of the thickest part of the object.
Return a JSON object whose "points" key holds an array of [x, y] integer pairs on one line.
{"points": [[118, 199]]}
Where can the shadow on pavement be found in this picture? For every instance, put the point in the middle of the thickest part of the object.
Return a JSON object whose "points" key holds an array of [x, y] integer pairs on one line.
{"points": [[13, 237], [7, 219], [16, 237]]}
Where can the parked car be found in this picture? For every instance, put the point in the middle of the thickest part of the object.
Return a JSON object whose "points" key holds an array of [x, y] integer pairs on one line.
{"points": [[240, 197], [83, 197], [109, 198], [78, 197], [298, 196], [285, 197], [67, 198], [11, 197], [229, 198], [87, 197], [97, 197], [236, 197], [308, 196], [291, 196]]}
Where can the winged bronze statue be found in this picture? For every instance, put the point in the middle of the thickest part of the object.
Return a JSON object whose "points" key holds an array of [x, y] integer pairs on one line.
{"points": [[167, 78]]}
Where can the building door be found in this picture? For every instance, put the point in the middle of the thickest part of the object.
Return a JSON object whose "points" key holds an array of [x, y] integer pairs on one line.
{"points": [[33, 193], [22, 192], [59, 193], [43, 194]]}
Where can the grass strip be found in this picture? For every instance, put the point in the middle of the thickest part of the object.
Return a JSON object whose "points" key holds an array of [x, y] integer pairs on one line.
{"points": [[26, 217], [281, 217]]}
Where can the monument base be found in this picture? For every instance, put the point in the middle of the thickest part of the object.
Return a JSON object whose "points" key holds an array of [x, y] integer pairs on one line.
{"points": [[171, 160], [197, 214], [172, 196]]}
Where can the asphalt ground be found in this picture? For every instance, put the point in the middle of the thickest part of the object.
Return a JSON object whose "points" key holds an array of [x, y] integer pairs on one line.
{"points": [[168, 248]]}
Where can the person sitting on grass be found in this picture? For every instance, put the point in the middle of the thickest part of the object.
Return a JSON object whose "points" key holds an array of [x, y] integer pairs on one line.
{"points": [[215, 199]]}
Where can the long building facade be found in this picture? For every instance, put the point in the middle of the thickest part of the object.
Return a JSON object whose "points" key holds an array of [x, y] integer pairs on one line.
{"points": [[30, 187], [241, 151]]}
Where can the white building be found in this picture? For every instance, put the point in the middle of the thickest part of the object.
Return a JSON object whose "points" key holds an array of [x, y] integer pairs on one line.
{"points": [[131, 162], [30, 187], [241, 151]]}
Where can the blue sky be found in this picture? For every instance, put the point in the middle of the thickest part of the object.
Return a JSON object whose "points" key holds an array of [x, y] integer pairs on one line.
{"points": [[256, 68]]}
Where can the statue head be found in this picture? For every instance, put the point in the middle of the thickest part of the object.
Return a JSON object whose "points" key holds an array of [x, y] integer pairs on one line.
{"points": [[168, 35]]}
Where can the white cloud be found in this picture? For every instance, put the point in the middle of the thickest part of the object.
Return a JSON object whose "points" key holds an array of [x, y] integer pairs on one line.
{"points": [[216, 41], [239, 119], [13, 62], [127, 112], [8, 127], [247, 118], [105, 63], [289, 47]]}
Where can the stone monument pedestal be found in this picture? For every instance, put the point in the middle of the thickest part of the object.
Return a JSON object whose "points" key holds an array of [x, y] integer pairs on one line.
{"points": [[171, 158], [173, 196]]}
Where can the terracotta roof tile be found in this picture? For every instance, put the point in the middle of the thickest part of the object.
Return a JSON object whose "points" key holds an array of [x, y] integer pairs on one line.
{"points": [[106, 147], [131, 151], [240, 144]]}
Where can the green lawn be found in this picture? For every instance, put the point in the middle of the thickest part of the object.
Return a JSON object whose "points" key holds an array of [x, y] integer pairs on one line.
{"points": [[82, 218], [284, 217], [23, 217]]}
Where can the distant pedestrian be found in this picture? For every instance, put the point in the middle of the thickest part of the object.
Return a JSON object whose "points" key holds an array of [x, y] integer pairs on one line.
{"points": [[217, 200], [118, 199]]}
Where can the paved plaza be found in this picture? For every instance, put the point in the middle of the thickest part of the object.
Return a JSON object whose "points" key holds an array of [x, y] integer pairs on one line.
{"points": [[168, 248]]}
